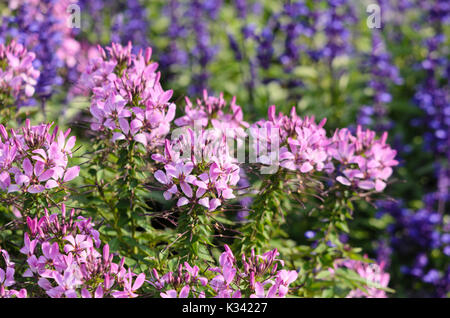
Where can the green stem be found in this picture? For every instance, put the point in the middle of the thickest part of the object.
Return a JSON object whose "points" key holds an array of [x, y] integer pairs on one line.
{"points": [[195, 228], [257, 232]]}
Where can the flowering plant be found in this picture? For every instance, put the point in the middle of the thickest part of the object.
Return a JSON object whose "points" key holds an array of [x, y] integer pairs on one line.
{"points": [[226, 149]]}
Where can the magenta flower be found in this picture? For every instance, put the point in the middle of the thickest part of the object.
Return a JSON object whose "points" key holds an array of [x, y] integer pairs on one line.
{"points": [[30, 245], [7, 279], [284, 279], [216, 172], [132, 90], [98, 293], [76, 269], [374, 275], [184, 293], [30, 180], [18, 77], [78, 245], [366, 162], [261, 293], [130, 131], [129, 288], [35, 160]]}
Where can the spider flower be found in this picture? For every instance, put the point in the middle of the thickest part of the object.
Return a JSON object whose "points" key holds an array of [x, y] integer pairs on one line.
{"points": [[34, 159], [128, 101], [228, 280], [365, 162], [214, 111], [64, 258], [198, 170], [7, 279], [373, 274], [18, 77]]}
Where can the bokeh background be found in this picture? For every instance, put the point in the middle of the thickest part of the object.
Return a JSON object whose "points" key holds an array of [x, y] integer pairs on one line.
{"points": [[319, 56]]}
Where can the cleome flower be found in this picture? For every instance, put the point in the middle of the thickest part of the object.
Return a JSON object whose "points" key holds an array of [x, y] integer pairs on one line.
{"points": [[198, 170], [372, 273], [64, 258], [230, 280], [363, 161], [7, 279], [128, 102], [211, 111], [34, 160], [18, 77]]}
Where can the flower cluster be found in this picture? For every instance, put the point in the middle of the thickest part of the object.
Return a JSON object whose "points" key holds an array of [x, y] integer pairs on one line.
{"points": [[41, 26], [7, 279], [413, 235], [307, 145], [63, 257], [361, 160], [18, 77], [372, 273], [187, 280], [257, 272], [198, 169], [128, 102], [434, 100], [34, 159], [212, 112], [269, 135], [364, 161], [231, 281], [334, 22]]}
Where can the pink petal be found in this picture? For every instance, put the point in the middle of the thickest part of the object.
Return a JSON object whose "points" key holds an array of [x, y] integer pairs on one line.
{"points": [[118, 136], [46, 175], [186, 189], [135, 125], [138, 282], [161, 177], [184, 292], [71, 173], [204, 202], [27, 167], [36, 188], [51, 184], [124, 125], [306, 167], [141, 138], [182, 201], [343, 180], [39, 168]]}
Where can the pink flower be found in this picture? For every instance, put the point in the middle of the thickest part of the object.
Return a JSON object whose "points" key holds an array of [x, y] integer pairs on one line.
{"points": [[130, 131], [365, 162], [29, 246], [129, 288], [184, 293], [131, 90], [78, 244], [18, 77], [31, 178], [371, 272], [284, 278], [36, 159], [98, 293], [261, 293]]}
